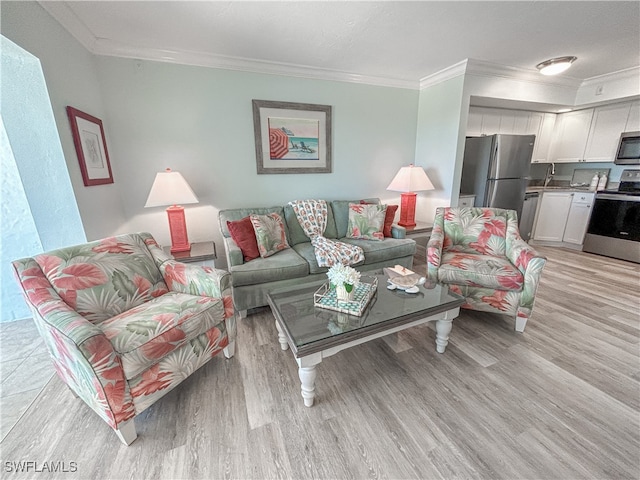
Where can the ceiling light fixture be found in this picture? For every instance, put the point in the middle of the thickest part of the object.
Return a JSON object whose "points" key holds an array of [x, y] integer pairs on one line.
{"points": [[555, 66]]}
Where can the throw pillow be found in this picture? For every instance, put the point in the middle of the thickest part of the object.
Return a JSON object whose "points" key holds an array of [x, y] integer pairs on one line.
{"points": [[244, 235], [270, 233], [388, 219], [366, 221]]}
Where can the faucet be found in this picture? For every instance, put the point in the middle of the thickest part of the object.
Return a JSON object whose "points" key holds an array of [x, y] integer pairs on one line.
{"points": [[551, 171]]}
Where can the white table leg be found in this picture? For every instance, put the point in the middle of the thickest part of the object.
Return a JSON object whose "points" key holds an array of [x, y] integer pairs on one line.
{"points": [[282, 338], [308, 380], [307, 373], [443, 328]]}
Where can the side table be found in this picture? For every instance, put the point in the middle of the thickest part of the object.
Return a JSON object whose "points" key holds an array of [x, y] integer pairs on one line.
{"points": [[203, 253], [421, 234]]}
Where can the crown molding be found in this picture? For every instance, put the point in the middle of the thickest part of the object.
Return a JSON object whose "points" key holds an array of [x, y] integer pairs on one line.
{"points": [[182, 57], [70, 22], [445, 74], [101, 46], [632, 73], [480, 68]]}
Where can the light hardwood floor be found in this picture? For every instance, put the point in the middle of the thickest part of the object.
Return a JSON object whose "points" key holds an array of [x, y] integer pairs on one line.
{"points": [[560, 401]]}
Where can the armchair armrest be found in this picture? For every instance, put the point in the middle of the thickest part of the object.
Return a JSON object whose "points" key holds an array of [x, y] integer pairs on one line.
{"points": [[83, 356], [530, 263], [434, 247]]}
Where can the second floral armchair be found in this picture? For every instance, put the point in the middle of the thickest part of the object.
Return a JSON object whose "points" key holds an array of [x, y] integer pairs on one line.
{"points": [[479, 254], [124, 323]]}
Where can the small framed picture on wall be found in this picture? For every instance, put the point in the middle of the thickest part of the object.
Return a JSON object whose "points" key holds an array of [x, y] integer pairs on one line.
{"points": [[91, 148], [292, 137]]}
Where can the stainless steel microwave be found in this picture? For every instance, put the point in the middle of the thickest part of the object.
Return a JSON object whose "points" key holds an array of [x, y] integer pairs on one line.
{"points": [[628, 149]]}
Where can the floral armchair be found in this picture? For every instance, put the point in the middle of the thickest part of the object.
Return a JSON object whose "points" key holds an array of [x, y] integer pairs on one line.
{"points": [[124, 323], [478, 252]]}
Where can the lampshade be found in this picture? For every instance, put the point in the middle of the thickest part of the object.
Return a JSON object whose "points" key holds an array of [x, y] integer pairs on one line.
{"points": [[555, 66], [410, 179], [170, 188]]}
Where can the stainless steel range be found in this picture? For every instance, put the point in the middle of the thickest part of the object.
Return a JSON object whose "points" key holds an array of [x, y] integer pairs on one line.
{"points": [[614, 227]]}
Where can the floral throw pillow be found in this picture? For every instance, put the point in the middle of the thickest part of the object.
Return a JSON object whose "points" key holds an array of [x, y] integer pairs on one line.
{"points": [[270, 233], [366, 221]]}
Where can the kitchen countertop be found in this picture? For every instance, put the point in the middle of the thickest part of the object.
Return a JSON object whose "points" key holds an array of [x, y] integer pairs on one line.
{"points": [[541, 189]]}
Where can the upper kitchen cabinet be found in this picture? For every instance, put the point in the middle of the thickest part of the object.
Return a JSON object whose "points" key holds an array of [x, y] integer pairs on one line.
{"points": [[570, 136], [542, 126], [633, 120], [489, 121], [607, 125]]}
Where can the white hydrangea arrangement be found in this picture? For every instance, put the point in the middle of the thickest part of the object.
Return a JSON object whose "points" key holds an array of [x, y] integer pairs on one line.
{"points": [[344, 275]]}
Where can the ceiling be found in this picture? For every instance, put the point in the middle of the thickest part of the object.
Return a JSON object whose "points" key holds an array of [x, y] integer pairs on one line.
{"points": [[397, 42]]}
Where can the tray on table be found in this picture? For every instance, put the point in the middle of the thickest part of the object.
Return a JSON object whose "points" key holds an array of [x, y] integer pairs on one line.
{"points": [[326, 297]]}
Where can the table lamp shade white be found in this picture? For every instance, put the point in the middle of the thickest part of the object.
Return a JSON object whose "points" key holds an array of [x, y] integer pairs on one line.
{"points": [[409, 180], [170, 188]]}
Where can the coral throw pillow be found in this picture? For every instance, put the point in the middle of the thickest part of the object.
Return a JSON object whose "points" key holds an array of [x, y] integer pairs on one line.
{"points": [[388, 219], [270, 233], [244, 235], [366, 221]]}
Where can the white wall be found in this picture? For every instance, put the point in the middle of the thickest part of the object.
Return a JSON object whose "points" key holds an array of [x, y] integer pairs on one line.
{"points": [[199, 122], [72, 79]]}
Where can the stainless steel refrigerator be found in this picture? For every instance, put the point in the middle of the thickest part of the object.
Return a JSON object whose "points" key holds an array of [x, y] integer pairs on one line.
{"points": [[496, 170]]}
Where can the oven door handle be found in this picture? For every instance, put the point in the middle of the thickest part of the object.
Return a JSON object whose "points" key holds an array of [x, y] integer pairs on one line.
{"points": [[622, 198]]}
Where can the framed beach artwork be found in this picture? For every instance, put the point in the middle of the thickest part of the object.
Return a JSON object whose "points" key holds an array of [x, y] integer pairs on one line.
{"points": [[292, 137], [91, 148]]}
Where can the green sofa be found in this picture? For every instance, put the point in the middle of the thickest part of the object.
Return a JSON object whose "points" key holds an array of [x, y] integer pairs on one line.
{"points": [[252, 281]]}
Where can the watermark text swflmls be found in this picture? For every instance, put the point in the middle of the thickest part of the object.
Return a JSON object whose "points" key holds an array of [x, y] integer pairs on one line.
{"points": [[25, 466]]}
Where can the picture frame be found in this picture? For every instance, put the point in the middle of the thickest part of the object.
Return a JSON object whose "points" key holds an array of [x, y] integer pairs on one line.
{"points": [[91, 147], [292, 137]]}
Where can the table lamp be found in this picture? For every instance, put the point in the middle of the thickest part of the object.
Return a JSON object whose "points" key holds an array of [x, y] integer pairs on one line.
{"points": [[170, 188], [409, 180]]}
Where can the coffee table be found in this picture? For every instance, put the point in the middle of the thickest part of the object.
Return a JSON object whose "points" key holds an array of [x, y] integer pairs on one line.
{"points": [[314, 333]]}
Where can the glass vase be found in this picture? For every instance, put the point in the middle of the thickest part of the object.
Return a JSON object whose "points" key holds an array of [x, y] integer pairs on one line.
{"points": [[342, 294]]}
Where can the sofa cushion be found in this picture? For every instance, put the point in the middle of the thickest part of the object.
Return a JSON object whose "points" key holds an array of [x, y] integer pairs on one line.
{"points": [[145, 334], [366, 221], [341, 213], [479, 271], [307, 251], [280, 266], [270, 233], [239, 213], [296, 233], [244, 235], [104, 278], [380, 251], [389, 217]]}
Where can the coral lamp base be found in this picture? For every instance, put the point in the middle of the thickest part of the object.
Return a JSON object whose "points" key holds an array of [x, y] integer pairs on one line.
{"points": [[178, 229], [407, 209]]}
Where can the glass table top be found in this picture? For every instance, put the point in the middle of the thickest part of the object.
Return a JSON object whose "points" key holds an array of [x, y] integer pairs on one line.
{"points": [[310, 328]]}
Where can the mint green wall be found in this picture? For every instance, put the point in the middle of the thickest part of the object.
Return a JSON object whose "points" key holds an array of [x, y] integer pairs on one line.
{"points": [[72, 79], [199, 122], [438, 143], [39, 211]]}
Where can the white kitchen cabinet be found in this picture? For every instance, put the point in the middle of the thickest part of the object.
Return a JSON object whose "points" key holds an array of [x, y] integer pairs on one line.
{"points": [[541, 125], [578, 218], [552, 216], [606, 126], [570, 137], [466, 200], [633, 120]]}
